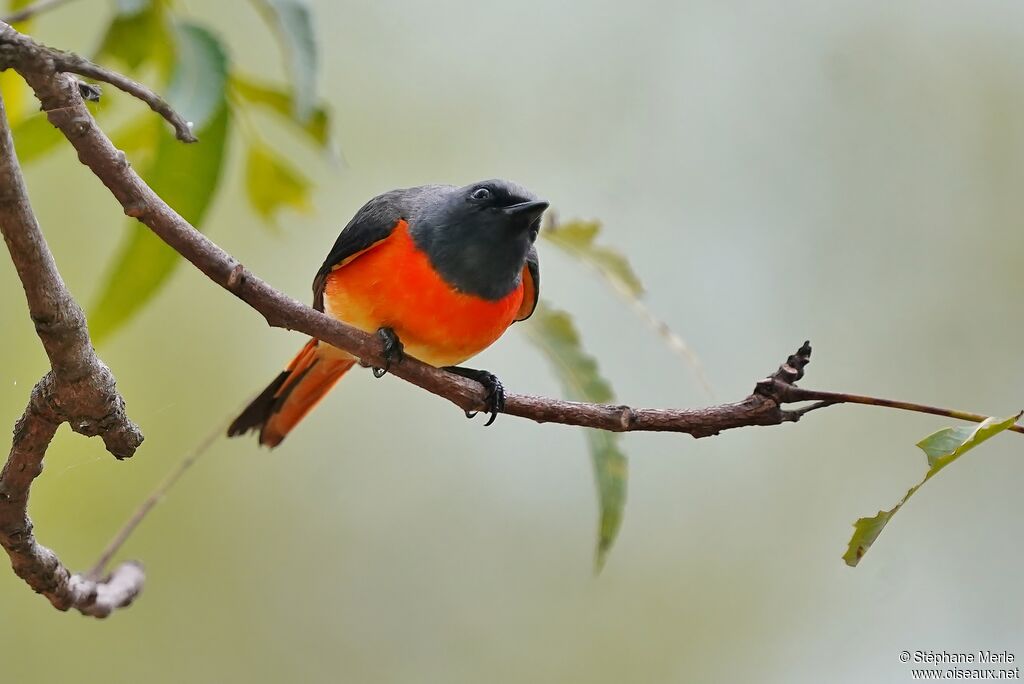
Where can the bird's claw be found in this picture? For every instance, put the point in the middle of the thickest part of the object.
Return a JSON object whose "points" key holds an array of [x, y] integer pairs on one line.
{"points": [[494, 401], [391, 349]]}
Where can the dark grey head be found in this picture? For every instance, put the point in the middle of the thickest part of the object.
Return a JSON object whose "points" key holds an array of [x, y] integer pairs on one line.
{"points": [[478, 236]]}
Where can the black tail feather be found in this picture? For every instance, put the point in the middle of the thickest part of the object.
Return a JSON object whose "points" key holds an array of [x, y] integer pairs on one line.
{"points": [[259, 411]]}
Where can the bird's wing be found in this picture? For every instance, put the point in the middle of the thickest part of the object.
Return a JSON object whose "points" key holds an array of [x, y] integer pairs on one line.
{"points": [[531, 285], [371, 224]]}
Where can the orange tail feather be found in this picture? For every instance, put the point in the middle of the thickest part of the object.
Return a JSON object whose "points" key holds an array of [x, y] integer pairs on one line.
{"points": [[293, 394]]}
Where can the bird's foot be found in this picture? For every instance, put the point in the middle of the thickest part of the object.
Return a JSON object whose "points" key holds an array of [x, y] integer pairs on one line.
{"points": [[494, 402], [390, 348]]}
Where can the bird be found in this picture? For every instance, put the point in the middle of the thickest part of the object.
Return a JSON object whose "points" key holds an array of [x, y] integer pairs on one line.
{"points": [[438, 272]]}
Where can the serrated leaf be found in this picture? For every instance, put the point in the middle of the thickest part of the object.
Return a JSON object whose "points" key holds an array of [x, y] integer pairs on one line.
{"points": [[292, 21], [272, 183], [945, 446], [579, 239], [941, 448], [199, 79], [186, 177], [553, 332], [138, 34], [316, 126]]}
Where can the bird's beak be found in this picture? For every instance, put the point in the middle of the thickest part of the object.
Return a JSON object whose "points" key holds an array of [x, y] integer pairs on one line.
{"points": [[528, 211]]}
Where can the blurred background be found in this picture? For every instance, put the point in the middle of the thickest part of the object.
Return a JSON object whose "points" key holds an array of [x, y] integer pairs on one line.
{"points": [[847, 172]]}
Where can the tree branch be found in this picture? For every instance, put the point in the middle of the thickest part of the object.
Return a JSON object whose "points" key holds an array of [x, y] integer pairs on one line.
{"points": [[79, 390], [61, 99], [19, 52], [62, 102]]}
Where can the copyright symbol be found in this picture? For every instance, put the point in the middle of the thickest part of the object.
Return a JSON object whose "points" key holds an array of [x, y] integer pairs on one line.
{"points": [[904, 656]]}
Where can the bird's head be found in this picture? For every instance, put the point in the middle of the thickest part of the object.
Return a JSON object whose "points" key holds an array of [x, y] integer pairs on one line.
{"points": [[478, 236]]}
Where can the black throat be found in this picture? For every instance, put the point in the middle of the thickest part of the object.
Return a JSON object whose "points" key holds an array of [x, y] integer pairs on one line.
{"points": [[482, 255]]}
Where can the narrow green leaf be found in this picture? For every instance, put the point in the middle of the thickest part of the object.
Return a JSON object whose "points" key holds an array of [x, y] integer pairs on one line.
{"points": [[949, 444], [34, 137], [15, 94], [138, 34], [941, 448], [13, 89], [611, 471], [579, 239], [199, 79], [138, 138], [186, 177], [272, 183], [553, 332], [279, 100], [292, 21]]}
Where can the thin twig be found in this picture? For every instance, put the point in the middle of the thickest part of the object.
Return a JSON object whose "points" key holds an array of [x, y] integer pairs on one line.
{"points": [[33, 10], [155, 497], [832, 398], [20, 52]]}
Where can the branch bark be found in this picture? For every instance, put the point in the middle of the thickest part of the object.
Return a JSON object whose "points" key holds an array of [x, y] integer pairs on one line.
{"points": [[79, 389], [61, 99], [21, 53]]}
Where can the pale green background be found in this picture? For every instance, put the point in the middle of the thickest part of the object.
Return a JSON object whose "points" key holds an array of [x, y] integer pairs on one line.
{"points": [[845, 171]]}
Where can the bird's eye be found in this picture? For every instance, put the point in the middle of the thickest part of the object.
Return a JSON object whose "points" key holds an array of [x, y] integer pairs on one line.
{"points": [[481, 194]]}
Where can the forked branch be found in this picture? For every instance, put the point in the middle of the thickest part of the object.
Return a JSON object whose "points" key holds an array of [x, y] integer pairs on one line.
{"points": [[79, 390], [52, 403]]}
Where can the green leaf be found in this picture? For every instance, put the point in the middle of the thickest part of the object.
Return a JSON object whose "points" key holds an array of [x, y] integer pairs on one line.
{"points": [[13, 89], [941, 448], [199, 79], [15, 94], [186, 177], [138, 34], [138, 137], [579, 238], [34, 137], [272, 183], [553, 332], [292, 21], [317, 126]]}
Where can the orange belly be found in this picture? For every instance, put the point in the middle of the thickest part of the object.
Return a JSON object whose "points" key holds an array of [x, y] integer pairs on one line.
{"points": [[392, 284]]}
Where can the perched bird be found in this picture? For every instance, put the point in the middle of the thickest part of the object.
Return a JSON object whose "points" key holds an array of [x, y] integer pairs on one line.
{"points": [[437, 271]]}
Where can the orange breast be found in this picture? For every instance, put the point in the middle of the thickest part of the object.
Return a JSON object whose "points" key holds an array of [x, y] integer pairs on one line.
{"points": [[392, 284]]}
